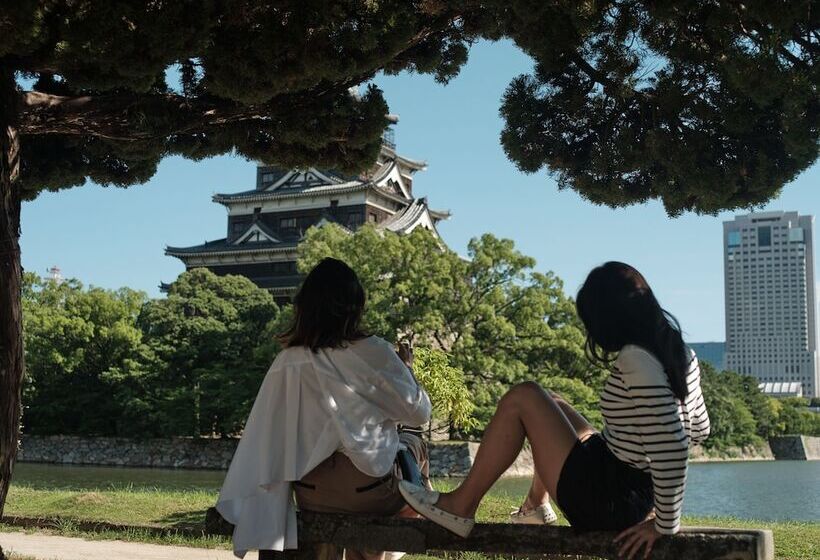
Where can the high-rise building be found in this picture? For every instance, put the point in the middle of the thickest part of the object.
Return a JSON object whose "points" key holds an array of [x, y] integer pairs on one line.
{"points": [[771, 322]]}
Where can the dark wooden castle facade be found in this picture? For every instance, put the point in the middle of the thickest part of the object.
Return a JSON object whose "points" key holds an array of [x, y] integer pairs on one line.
{"points": [[266, 224]]}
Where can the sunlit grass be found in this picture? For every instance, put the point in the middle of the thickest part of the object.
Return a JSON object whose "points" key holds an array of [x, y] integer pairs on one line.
{"points": [[185, 511]]}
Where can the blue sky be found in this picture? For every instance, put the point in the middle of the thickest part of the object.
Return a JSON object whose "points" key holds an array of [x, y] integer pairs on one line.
{"points": [[114, 237]]}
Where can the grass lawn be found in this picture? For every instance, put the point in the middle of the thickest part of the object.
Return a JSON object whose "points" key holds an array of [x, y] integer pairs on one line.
{"points": [[185, 509]]}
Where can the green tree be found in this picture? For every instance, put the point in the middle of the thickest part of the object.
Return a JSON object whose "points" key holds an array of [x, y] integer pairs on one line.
{"points": [[707, 106], [205, 369], [446, 386], [410, 280], [797, 419], [75, 338], [732, 420], [510, 323], [499, 321]]}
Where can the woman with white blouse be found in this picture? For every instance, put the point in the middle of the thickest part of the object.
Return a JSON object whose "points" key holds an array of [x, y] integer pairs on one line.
{"points": [[325, 424], [631, 476]]}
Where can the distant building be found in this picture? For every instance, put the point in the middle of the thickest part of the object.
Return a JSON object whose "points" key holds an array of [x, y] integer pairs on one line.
{"points": [[712, 352], [771, 323], [782, 389], [55, 274], [266, 224]]}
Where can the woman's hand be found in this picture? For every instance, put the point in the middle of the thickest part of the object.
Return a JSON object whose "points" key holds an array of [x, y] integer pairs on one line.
{"points": [[636, 536]]}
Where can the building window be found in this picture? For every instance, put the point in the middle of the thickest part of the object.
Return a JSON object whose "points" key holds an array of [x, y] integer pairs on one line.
{"points": [[734, 239], [239, 227], [287, 223], [267, 177], [764, 236], [372, 218]]}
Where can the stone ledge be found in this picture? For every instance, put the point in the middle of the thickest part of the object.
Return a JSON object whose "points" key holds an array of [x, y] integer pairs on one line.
{"points": [[446, 459]]}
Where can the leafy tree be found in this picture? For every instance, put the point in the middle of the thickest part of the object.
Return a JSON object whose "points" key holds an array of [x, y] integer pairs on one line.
{"points": [[499, 321], [796, 418], [511, 324], [732, 422], [707, 106], [206, 371], [410, 281], [728, 116], [75, 338], [445, 384], [583, 398]]}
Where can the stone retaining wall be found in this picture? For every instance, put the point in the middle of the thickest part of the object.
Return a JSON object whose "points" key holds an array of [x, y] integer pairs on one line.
{"points": [[750, 453], [185, 453], [801, 448], [446, 459]]}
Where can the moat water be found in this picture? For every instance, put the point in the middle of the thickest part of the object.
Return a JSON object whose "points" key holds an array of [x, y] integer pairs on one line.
{"points": [[765, 490]]}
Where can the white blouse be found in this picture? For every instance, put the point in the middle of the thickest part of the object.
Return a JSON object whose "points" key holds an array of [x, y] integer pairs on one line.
{"points": [[310, 405]]}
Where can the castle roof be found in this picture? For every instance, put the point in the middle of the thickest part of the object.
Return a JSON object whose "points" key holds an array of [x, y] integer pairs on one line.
{"points": [[224, 247]]}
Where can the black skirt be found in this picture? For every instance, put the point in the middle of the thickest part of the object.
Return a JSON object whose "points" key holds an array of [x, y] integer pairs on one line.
{"points": [[599, 492]]}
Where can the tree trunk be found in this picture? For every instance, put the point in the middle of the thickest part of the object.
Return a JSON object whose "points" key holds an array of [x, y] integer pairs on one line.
{"points": [[11, 324]]}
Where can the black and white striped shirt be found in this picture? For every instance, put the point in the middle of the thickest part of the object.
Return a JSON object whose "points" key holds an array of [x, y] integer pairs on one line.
{"points": [[646, 426]]}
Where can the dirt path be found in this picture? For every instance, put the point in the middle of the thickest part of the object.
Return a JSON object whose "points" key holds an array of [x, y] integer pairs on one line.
{"points": [[53, 547]]}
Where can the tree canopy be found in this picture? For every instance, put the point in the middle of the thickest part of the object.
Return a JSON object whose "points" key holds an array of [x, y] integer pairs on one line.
{"points": [[501, 321], [704, 105]]}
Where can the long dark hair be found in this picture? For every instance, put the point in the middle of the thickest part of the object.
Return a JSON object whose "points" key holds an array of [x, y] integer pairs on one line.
{"points": [[327, 308], [617, 307]]}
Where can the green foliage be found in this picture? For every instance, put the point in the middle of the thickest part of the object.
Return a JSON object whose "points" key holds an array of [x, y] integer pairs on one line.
{"points": [[205, 370], [742, 415], [409, 280], [499, 320], [796, 418], [198, 78], [732, 421], [75, 339], [113, 363], [706, 106], [445, 384], [583, 398]]}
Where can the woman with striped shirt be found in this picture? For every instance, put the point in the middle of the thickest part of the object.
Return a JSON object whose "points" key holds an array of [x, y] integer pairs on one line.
{"points": [[631, 476]]}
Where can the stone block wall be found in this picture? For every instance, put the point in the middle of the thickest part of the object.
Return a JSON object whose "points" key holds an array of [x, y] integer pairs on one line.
{"points": [[799, 448], [185, 453], [446, 458]]}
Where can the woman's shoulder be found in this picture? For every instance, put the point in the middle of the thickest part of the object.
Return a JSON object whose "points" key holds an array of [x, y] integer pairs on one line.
{"points": [[290, 355], [640, 366]]}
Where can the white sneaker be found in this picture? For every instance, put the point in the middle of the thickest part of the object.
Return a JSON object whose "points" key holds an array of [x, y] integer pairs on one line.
{"points": [[542, 515], [423, 501]]}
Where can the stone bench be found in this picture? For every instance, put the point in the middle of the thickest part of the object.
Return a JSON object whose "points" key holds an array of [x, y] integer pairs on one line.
{"points": [[321, 533]]}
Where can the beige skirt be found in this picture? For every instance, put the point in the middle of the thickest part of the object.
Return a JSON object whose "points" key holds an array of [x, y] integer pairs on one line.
{"points": [[337, 486]]}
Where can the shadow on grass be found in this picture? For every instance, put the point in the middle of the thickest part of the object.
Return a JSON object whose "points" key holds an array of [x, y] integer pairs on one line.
{"points": [[183, 520]]}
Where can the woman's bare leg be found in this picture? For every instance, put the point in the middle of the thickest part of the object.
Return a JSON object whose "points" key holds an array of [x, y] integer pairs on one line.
{"points": [[538, 493], [525, 411]]}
